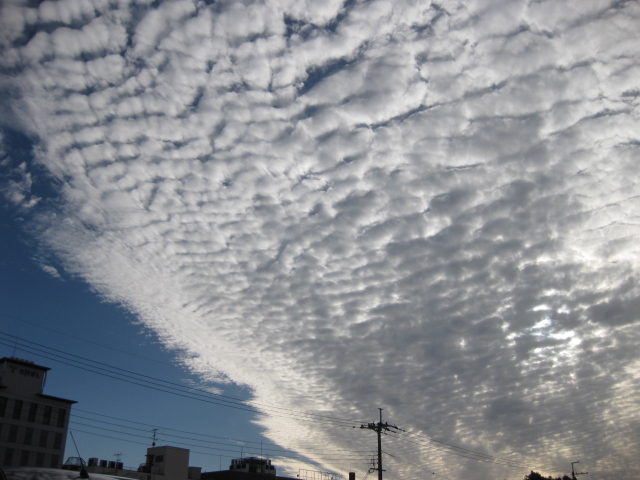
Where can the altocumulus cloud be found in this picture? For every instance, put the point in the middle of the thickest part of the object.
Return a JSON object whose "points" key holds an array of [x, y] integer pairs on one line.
{"points": [[426, 206]]}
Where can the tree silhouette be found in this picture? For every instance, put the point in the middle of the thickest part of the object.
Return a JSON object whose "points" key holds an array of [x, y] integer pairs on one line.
{"points": [[536, 476]]}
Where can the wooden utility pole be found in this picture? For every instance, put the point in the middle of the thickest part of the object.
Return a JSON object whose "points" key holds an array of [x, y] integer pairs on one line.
{"points": [[380, 428], [574, 473]]}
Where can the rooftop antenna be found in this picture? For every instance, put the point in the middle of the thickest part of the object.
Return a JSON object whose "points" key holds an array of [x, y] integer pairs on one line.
{"points": [[83, 471], [153, 444], [117, 455]]}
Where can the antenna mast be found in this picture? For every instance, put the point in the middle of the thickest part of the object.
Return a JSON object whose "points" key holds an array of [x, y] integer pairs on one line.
{"points": [[117, 455], [83, 471]]}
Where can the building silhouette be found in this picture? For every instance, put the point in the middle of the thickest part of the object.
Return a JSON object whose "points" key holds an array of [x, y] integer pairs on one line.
{"points": [[163, 463], [247, 468], [33, 433], [33, 426], [253, 465]]}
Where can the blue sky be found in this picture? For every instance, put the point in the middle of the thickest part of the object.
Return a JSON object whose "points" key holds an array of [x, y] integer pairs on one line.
{"points": [[330, 208], [59, 323]]}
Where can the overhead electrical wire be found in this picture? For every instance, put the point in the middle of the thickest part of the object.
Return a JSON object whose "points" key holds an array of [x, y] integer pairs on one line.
{"points": [[279, 451], [200, 394], [206, 439], [172, 388], [84, 340], [450, 449], [229, 448], [397, 459], [293, 455], [241, 405], [154, 383], [442, 451], [460, 451]]}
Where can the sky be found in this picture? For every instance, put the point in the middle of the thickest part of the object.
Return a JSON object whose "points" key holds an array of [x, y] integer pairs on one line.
{"points": [[318, 209]]}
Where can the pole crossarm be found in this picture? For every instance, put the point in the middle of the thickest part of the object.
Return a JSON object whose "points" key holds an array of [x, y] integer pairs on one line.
{"points": [[574, 473], [380, 428]]}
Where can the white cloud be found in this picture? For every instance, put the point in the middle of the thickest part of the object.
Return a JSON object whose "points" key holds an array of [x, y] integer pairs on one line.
{"points": [[362, 205]]}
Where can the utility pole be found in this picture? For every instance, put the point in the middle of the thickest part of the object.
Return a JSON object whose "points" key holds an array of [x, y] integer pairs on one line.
{"points": [[574, 473], [380, 428]]}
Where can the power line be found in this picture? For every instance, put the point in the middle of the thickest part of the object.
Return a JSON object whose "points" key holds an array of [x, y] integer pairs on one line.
{"points": [[206, 436], [412, 463], [466, 453], [183, 441], [450, 449], [164, 385], [85, 340], [274, 451], [232, 402]]}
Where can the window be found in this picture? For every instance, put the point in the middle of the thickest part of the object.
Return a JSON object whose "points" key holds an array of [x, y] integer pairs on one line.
{"points": [[44, 436], [46, 418], [8, 456], [33, 410], [55, 461], [24, 458], [13, 434], [159, 458], [57, 441], [28, 436], [39, 459], [17, 409], [3, 406], [62, 414]]}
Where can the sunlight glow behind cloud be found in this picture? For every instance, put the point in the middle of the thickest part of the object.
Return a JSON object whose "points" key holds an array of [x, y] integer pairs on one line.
{"points": [[346, 206]]}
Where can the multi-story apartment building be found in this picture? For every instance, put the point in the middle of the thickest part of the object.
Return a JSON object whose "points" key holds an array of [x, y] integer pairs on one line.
{"points": [[33, 426]]}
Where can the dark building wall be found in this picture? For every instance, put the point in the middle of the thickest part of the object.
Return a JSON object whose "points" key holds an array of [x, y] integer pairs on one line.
{"points": [[33, 426], [230, 475]]}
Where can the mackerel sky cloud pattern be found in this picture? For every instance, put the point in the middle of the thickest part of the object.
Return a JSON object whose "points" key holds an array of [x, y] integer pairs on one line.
{"points": [[430, 207]]}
